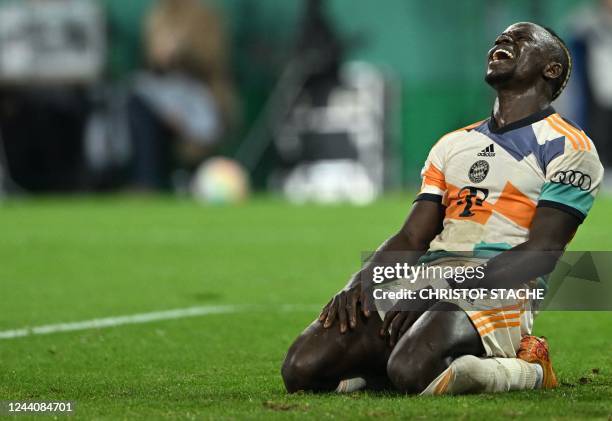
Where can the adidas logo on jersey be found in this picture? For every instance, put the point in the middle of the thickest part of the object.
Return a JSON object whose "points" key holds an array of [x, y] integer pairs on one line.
{"points": [[488, 151]]}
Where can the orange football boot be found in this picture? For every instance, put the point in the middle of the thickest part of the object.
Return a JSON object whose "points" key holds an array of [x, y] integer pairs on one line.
{"points": [[535, 350]]}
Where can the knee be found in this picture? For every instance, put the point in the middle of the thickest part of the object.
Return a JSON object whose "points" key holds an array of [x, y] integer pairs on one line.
{"points": [[299, 371], [409, 372]]}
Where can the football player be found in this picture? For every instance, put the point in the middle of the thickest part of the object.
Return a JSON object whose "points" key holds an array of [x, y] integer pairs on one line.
{"points": [[517, 185]]}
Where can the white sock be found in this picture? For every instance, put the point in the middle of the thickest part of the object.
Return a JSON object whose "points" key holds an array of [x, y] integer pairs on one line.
{"points": [[470, 374], [539, 376], [351, 385]]}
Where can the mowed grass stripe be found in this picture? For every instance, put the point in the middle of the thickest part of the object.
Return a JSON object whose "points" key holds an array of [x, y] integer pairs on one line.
{"points": [[154, 316]]}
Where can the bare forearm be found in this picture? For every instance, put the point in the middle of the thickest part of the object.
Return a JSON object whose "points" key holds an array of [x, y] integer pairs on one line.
{"points": [[512, 268], [550, 232], [423, 223], [398, 248]]}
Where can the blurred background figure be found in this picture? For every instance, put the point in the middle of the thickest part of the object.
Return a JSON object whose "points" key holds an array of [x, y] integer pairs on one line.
{"points": [[589, 99], [333, 138], [329, 120], [51, 52], [318, 100], [184, 102]]}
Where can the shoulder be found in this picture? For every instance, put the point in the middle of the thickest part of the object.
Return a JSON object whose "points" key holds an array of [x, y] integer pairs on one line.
{"points": [[579, 155], [577, 142], [458, 134]]}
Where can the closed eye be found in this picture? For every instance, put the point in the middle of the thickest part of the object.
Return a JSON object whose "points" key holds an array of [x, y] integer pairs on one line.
{"points": [[521, 36]]}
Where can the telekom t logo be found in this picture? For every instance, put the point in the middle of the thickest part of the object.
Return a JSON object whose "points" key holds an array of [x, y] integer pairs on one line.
{"points": [[471, 196]]}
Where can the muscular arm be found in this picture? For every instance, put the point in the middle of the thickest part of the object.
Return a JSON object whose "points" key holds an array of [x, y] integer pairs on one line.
{"points": [[549, 233], [423, 223]]}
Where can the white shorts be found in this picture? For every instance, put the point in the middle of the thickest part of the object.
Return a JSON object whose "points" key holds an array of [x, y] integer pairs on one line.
{"points": [[500, 324]]}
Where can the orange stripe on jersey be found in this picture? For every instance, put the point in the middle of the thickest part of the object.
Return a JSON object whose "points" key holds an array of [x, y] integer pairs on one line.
{"points": [[471, 126], [562, 131], [434, 177], [577, 132], [515, 206], [557, 118], [491, 319], [498, 326], [476, 316]]}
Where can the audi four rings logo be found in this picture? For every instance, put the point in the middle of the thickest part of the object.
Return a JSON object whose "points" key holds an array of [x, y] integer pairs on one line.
{"points": [[573, 178]]}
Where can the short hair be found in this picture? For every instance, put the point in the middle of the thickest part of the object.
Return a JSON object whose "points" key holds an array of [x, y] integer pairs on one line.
{"points": [[563, 55]]}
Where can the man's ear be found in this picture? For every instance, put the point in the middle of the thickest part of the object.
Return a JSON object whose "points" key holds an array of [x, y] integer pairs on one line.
{"points": [[553, 70]]}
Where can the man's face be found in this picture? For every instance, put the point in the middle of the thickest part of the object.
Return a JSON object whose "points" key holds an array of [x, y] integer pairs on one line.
{"points": [[518, 55]]}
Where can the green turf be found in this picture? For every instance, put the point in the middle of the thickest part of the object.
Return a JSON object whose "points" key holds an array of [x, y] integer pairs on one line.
{"points": [[77, 259]]}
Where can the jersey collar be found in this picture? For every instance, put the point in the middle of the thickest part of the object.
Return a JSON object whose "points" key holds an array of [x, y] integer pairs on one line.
{"points": [[527, 121]]}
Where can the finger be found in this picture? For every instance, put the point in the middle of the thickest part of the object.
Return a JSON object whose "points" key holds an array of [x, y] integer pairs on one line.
{"points": [[323, 314], [353, 310], [405, 326], [412, 317], [389, 316], [331, 313], [395, 327], [365, 304], [342, 312], [409, 320]]}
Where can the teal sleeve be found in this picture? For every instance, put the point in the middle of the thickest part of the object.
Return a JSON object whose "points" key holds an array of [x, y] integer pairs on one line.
{"points": [[567, 195]]}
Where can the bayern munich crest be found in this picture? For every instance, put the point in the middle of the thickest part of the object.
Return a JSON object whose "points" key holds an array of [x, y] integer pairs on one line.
{"points": [[478, 171]]}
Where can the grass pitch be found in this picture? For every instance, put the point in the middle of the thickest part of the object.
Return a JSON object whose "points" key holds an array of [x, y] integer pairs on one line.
{"points": [[79, 259]]}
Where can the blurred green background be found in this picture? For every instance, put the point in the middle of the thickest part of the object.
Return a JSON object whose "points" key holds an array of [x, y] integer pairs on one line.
{"points": [[441, 75]]}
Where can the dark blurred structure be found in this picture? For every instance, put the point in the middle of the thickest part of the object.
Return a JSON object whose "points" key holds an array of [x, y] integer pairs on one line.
{"points": [[50, 53], [320, 54], [589, 96], [327, 117], [42, 128]]}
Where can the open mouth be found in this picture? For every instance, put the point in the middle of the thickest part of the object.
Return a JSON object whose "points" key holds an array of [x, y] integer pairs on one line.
{"points": [[501, 54]]}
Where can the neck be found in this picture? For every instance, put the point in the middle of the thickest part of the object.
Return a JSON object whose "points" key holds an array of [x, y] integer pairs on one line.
{"points": [[511, 106]]}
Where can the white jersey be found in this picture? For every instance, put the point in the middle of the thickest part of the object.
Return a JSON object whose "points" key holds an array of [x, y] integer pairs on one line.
{"points": [[492, 180]]}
